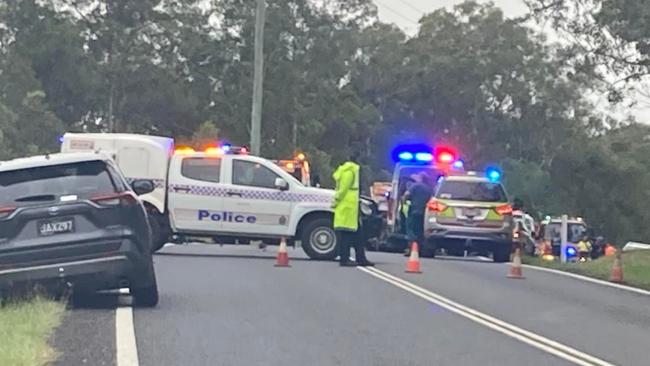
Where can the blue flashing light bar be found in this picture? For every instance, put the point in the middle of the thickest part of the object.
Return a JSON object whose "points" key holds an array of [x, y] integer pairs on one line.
{"points": [[493, 174], [405, 156], [571, 251], [424, 157], [458, 164]]}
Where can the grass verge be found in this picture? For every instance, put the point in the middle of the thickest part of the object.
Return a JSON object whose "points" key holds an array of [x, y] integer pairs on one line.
{"points": [[636, 267], [25, 329]]}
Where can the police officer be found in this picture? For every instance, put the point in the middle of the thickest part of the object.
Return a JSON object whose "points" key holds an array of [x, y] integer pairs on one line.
{"points": [[346, 212]]}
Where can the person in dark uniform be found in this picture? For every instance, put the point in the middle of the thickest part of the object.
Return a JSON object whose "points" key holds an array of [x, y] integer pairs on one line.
{"points": [[419, 195]]}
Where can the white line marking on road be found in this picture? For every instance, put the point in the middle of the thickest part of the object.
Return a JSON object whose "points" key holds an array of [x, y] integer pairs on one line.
{"points": [[589, 279], [125, 343], [525, 336]]}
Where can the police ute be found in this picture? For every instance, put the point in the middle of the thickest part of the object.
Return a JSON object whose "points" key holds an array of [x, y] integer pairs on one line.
{"points": [[220, 192]]}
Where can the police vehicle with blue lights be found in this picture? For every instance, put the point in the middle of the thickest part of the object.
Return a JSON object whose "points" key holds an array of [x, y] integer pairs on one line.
{"points": [[470, 213], [222, 192], [411, 160]]}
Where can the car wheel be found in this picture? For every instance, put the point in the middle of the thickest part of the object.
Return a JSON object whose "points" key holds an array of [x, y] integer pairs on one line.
{"points": [[158, 233], [529, 248], [501, 254], [319, 240], [428, 249], [146, 296]]}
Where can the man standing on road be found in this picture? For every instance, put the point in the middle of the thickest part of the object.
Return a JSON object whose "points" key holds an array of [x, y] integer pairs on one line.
{"points": [[346, 212], [419, 194]]}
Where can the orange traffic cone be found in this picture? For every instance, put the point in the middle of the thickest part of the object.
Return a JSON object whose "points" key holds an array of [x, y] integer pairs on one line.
{"points": [[617, 270], [515, 268], [413, 265], [283, 256]]}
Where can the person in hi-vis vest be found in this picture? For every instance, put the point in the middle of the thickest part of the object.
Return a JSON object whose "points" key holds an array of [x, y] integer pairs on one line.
{"points": [[346, 212]]}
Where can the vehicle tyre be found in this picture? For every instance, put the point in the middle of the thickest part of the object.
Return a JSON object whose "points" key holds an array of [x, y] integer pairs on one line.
{"points": [[159, 232], [147, 296], [428, 249], [319, 240], [529, 247], [501, 254]]}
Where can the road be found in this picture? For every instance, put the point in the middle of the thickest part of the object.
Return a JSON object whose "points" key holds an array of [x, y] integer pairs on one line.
{"points": [[231, 306]]}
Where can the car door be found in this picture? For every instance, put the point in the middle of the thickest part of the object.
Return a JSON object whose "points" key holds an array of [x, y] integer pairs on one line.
{"points": [[195, 197], [252, 203]]}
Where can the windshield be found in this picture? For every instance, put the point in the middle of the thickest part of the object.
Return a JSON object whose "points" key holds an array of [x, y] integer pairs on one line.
{"points": [[575, 232], [34, 185], [471, 191]]}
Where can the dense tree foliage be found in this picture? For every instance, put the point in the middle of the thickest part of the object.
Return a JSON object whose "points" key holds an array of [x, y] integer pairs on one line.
{"points": [[336, 79]]}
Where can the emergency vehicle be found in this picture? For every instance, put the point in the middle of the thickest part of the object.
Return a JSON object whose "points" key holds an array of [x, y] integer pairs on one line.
{"points": [[576, 230], [298, 167], [220, 192], [410, 160]]}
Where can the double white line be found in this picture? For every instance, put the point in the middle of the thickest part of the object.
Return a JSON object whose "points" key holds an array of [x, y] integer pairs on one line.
{"points": [[532, 339]]}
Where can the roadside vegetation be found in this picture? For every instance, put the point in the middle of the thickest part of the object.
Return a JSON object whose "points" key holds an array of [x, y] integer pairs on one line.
{"points": [[25, 329], [339, 79], [636, 267]]}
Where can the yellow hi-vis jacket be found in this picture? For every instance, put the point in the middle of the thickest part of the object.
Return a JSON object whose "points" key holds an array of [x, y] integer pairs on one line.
{"points": [[346, 198]]}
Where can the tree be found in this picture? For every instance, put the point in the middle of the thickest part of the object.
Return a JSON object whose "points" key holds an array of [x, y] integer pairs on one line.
{"points": [[607, 38]]}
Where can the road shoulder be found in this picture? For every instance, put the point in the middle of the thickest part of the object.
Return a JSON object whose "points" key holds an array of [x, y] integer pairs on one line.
{"points": [[87, 334]]}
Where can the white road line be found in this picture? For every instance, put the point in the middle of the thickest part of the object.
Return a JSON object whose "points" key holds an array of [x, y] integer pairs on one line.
{"points": [[589, 279], [525, 336], [125, 344]]}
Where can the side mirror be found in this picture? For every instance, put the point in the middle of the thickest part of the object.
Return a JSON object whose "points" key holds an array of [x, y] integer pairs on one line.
{"points": [[142, 186], [281, 184]]}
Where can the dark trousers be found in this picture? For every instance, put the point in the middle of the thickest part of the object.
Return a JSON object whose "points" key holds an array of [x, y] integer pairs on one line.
{"points": [[351, 239], [415, 228]]}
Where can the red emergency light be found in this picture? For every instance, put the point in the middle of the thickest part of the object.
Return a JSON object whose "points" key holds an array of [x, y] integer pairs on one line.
{"points": [[445, 154]]}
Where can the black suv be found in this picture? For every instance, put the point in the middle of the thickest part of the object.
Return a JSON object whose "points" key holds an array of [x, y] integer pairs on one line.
{"points": [[71, 219]]}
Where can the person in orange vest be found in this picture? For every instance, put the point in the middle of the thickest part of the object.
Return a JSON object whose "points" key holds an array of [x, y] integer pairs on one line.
{"points": [[610, 250]]}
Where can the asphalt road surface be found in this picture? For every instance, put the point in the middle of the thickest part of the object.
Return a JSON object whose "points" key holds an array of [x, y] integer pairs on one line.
{"points": [[230, 306]]}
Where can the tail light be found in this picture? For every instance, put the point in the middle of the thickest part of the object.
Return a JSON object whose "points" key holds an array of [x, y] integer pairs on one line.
{"points": [[504, 210], [115, 199], [436, 206], [6, 211]]}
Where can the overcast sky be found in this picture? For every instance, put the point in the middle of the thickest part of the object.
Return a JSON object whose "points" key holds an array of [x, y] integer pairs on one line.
{"points": [[406, 13]]}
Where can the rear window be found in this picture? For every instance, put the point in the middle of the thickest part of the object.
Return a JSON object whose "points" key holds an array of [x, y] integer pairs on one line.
{"points": [[49, 183], [205, 169], [472, 191]]}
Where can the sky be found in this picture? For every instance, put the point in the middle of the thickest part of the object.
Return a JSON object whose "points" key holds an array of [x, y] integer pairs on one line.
{"points": [[406, 13]]}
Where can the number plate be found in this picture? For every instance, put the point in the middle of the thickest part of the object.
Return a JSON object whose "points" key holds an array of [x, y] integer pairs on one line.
{"points": [[471, 212], [53, 227]]}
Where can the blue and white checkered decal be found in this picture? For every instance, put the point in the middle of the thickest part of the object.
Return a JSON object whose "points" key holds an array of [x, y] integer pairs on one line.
{"points": [[250, 194]]}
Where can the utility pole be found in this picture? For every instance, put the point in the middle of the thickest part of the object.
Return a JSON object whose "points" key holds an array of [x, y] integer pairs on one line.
{"points": [[564, 237], [258, 79]]}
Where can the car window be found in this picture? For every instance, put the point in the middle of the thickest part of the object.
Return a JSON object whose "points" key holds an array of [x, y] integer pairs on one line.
{"points": [[247, 173], [575, 232], [472, 191], [36, 185], [205, 169]]}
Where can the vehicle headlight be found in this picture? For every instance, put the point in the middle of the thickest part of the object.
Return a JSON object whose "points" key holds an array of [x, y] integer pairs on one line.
{"points": [[366, 208]]}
